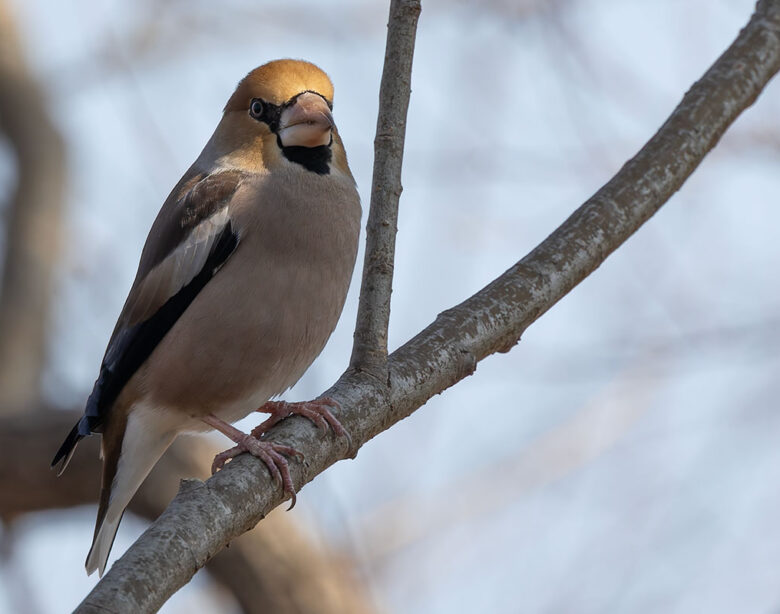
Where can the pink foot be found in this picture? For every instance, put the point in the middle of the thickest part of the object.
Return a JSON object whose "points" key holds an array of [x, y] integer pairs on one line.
{"points": [[272, 454], [318, 411]]}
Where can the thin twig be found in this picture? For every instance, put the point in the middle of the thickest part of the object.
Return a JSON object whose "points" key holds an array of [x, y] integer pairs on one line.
{"points": [[369, 352], [205, 516]]}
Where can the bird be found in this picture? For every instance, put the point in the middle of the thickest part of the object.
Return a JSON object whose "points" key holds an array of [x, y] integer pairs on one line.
{"points": [[240, 283]]}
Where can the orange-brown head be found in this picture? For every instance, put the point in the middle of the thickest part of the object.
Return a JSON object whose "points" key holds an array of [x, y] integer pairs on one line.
{"points": [[279, 81], [281, 111]]}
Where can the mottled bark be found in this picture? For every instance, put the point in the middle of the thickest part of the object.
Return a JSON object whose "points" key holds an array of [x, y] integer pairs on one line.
{"points": [[369, 352], [205, 516], [273, 568]]}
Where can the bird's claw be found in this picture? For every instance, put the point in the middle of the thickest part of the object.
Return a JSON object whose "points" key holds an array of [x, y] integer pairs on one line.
{"points": [[272, 454], [318, 411]]}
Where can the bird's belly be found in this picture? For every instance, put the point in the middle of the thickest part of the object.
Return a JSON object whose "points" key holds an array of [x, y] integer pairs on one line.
{"points": [[230, 411], [239, 344]]}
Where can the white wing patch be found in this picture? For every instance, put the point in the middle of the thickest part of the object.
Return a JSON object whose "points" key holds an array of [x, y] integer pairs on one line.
{"points": [[179, 268]]}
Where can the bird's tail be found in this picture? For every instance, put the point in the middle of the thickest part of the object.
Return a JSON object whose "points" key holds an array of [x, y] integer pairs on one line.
{"points": [[128, 457], [90, 422], [67, 449]]}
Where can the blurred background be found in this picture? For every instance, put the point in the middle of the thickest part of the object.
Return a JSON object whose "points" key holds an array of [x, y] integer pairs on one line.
{"points": [[623, 457]]}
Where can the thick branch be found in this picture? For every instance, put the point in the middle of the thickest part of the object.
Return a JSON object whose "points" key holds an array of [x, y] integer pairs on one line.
{"points": [[369, 352], [205, 516], [256, 567]]}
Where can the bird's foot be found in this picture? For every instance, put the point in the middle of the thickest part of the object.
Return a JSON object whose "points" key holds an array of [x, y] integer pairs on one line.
{"points": [[272, 454], [318, 411]]}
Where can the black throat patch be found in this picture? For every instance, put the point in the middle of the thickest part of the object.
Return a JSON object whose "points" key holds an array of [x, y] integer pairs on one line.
{"points": [[314, 159]]}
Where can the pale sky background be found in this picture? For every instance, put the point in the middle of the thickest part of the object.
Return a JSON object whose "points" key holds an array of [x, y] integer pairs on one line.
{"points": [[624, 456]]}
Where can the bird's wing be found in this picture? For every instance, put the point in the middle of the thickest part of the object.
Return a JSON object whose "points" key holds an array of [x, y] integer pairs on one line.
{"points": [[179, 241], [190, 240]]}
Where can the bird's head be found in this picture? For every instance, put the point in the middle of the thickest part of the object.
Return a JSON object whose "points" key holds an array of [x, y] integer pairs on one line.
{"points": [[281, 112]]}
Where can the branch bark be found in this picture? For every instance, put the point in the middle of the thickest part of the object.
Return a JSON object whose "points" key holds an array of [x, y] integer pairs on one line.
{"points": [[369, 352], [256, 568], [203, 517]]}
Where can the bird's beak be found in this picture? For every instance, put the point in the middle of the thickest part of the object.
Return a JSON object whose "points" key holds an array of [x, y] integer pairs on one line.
{"points": [[307, 122]]}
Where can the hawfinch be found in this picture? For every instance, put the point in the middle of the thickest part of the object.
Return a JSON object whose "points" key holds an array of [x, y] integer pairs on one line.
{"points": [[241, 282]]}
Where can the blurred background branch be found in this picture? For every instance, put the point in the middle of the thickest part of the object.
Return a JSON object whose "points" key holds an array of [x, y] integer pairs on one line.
{"points": [[271, 569], [33, 219]]}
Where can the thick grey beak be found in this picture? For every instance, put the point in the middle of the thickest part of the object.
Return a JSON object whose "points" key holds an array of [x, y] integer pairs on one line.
{"points": [[307, 123]]}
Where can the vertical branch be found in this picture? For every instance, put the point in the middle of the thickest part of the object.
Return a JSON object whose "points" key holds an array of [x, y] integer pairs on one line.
{"points": [[369, 352]]}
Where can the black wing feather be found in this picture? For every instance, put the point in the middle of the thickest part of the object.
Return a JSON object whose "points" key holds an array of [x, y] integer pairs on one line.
{"points": [[132, 345]]}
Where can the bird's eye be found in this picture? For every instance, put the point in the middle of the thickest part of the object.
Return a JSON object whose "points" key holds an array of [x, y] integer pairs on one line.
{"points": [[256, 108]]}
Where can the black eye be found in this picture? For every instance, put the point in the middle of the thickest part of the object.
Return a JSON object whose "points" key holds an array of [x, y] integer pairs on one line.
{"points": [[256, 108]]}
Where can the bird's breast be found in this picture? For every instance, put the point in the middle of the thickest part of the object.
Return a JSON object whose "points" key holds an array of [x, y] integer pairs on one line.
{"points": [[265, 316]]}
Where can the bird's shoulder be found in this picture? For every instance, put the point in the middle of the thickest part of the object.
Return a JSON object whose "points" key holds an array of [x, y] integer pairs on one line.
{"points": [[196, 198]]}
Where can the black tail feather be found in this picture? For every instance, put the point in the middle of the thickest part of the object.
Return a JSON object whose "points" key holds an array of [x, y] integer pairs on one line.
{"points": [[67, 448]]}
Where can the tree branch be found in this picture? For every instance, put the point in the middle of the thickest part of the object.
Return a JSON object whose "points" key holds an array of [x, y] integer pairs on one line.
{"points": [[369, 352], [203, 517], [256, 567]]}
